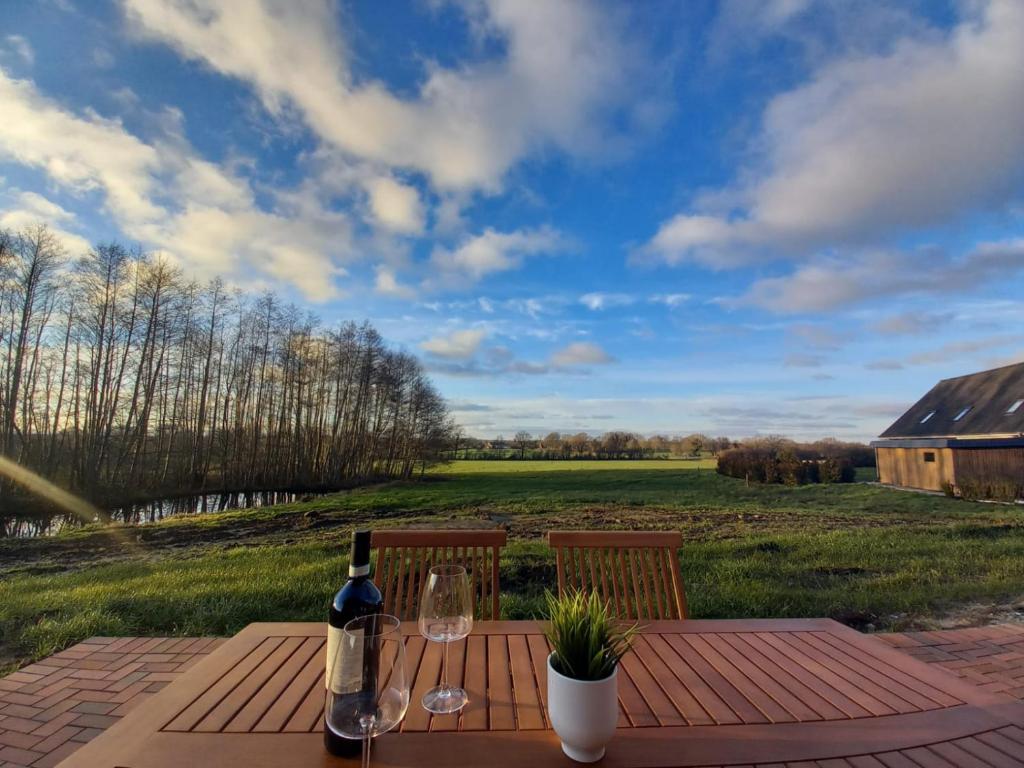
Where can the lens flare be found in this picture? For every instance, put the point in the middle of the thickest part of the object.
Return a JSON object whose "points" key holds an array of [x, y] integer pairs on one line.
{"points": [[42, 487]]}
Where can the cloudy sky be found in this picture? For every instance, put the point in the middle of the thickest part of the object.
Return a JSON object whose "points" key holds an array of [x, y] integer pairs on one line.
{"points": [[788, 216]]}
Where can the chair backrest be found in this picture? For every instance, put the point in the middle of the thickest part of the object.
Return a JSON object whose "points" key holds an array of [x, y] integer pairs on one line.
{"points": [[405, 557], [636, 572]]}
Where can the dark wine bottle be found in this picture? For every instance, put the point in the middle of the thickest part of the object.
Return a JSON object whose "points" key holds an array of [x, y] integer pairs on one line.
{"points": [[358, 597]]}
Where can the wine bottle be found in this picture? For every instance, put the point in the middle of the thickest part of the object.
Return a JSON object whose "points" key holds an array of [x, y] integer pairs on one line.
{"points": [[358, 597]]}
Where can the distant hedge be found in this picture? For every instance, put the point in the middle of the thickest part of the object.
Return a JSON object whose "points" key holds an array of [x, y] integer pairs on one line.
{"points": [[991, 488], [783, 465]]}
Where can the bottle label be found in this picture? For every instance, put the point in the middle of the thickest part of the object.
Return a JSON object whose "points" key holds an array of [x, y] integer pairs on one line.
{"points": [[358, 570], [344, 662]]}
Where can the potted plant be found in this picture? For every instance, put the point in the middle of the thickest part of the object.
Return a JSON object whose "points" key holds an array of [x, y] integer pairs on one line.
{"points": [[583, 668]]}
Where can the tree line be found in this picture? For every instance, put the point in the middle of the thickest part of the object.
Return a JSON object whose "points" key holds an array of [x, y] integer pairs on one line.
{"points": [[581, 445], [630, 445], [121, 379]]}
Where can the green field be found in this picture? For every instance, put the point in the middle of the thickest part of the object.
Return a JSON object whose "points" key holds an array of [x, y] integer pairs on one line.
{"points": [[868, 555]]}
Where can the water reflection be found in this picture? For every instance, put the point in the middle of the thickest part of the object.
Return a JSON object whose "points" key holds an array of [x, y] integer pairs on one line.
{"points": [[160, 509]]}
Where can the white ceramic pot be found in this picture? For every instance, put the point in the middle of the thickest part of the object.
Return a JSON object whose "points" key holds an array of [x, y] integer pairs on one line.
{"points": [[583, 713]]}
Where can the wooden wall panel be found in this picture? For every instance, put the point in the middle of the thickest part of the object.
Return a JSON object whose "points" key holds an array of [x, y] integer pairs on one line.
{"points": [[989, 463], [906, 467]]}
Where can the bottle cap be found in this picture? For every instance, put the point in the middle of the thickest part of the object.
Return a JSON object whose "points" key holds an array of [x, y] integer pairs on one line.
{"points": [[359, 565]]}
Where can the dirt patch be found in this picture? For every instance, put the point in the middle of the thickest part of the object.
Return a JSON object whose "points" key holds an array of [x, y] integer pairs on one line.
{"points": [[131, 542], [978, 614], [862, 621]]}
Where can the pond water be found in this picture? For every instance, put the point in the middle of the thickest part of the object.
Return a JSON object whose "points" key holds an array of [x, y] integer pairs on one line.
{"points": [[160, 509]]}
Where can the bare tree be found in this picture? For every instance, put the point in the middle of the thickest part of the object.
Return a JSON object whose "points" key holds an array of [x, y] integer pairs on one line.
{"points": [[122, 381], [522, 441]]}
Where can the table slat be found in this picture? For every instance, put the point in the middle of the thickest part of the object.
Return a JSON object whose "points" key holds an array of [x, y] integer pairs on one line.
{"points": [[474, 716], [308, 679], [502, 716], [528, 708], [796, 693]]}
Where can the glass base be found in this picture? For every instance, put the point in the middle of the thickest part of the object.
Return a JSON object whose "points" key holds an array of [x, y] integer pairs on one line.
{"points": [[444, 699]]}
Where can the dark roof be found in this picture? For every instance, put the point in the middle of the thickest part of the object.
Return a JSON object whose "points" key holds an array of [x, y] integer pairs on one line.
{"points": [[989, 394], [969, 443]]}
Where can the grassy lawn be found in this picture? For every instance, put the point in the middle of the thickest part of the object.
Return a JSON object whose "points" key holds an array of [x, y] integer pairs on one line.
{"points": [[861, 553]]}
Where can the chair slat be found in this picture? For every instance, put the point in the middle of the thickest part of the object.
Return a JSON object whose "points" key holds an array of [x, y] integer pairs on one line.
{"points": [[636, 572], [405, 557], [650, 574], [613, 576], [495, 599], [485, 577], [599, 554], [416, 559], [620, 567], [666, 582]]}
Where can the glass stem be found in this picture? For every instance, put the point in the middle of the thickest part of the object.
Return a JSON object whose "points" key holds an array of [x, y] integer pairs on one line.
{"points": [[366, 749], [444, 670]]}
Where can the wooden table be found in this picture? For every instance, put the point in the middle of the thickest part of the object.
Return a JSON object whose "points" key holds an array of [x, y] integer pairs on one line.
{"points": [[694, 693]]}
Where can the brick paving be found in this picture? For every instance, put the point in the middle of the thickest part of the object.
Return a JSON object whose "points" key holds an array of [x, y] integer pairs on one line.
{"points": [[991, 657], [50, 708]]}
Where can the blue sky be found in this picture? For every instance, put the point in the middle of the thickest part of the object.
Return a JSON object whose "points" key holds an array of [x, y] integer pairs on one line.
{"points": [[789, 217]]}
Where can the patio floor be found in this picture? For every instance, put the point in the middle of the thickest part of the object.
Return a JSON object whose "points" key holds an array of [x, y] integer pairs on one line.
{"points": [[991, 657], [50, 708]]}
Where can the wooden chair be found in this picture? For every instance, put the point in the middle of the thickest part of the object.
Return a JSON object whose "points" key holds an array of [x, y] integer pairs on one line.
{"points": [[405, 557], [636, 572]]}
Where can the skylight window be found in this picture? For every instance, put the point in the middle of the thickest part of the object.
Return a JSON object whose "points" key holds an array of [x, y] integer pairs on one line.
{"points": [[963, 413], [1017, 404], [930, 414]]}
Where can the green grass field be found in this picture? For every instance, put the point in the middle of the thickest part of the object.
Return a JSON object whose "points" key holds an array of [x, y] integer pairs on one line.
{"points": [[861, 553]]}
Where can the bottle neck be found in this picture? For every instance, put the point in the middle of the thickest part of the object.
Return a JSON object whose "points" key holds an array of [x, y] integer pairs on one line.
{"points": [[359, 559]]}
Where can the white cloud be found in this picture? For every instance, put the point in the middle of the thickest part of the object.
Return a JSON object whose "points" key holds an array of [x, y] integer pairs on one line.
{"points": [[884, 365], [395, 206], [165, 196], [803, 361], [833, 283], [581, 353], [671, 300], [26, 209], [958, 349], [817, 29], [492, 251], [735, 414], [872, 146], [387, 284], [459, 345], [21, 48], [598, 301], [913, 323], [103, 58], [818, 336], [563, 70]]}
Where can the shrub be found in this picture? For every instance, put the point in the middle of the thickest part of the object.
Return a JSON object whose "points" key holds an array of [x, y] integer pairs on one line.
{"points": [[994, 488], [783, 463]]}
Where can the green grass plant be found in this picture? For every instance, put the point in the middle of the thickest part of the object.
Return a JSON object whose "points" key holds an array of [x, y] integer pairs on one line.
{"points": [[867, 555], [587, 643]]}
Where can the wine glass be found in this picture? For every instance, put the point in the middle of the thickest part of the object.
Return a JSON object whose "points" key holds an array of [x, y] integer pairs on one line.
{"points": [[367, 689], [446, 614]]}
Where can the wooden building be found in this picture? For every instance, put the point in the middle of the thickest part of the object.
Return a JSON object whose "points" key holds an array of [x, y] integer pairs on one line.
{"points": [[966, 428]]}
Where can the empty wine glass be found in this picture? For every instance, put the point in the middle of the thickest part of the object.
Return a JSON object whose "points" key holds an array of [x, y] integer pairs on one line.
{"points": [[446, 614], [367, 689]]}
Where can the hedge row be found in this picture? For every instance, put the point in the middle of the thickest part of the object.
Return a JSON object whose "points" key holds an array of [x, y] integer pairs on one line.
{"points": [[764, 465], [987, 488]]}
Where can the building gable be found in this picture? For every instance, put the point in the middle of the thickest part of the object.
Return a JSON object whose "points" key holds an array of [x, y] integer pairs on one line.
{"points": [[980, 404]]}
